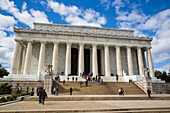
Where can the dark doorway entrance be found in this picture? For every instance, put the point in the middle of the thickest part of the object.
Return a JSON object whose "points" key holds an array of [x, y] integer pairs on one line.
{"points": [[99, 60], [87, 60], [74, 61]]}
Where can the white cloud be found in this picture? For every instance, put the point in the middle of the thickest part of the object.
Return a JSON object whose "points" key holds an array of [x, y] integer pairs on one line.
{"points": [[24, 16], [24, 6], [6, 22], [75, 16], [164, 68], [105, 3]]}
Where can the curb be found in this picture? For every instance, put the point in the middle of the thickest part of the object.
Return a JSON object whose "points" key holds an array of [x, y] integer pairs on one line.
{"points": [[11, 102]]}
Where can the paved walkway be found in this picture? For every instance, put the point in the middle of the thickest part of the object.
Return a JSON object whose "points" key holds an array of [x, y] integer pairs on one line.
{"points": [[84, 105]]}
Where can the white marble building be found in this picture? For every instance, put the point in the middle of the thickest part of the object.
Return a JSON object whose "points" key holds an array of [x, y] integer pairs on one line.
{"points": [[74, 49]]}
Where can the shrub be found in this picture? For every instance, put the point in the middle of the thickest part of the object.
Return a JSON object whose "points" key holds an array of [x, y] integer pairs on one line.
{"points": [[3, 99], [5, 88]]}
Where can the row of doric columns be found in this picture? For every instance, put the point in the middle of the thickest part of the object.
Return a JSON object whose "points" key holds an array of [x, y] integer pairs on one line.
{"points": [[22, 59]]}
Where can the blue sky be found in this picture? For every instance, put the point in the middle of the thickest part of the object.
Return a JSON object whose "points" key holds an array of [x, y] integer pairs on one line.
{"points": [[146, 17]]}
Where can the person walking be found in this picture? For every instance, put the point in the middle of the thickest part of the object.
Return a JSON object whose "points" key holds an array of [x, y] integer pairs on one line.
{"points": [[149, 93], [64, 82], [32, 92], [119, 91], [57, 89], [44, 95], [122, 91], [71, 90], [40, 95], [54, 90], [37, 90], [117, 78]]}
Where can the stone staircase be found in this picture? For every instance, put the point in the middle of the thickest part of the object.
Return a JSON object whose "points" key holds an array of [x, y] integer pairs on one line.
{"points": [[108, 88]]}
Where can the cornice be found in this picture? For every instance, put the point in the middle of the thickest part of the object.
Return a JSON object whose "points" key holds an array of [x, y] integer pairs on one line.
{"points": [[34, 31]]}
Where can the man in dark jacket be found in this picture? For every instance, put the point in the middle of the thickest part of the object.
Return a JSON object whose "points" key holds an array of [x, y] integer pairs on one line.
{"points": [[40, 95], [71, 90], [44, 94], [149, 93]]}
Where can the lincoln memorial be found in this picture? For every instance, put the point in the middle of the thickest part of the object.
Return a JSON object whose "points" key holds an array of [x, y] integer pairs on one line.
{"points": [[72, 50]]}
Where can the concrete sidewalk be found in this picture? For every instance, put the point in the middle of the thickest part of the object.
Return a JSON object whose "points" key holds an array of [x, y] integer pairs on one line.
{"points": [[87, 106]]}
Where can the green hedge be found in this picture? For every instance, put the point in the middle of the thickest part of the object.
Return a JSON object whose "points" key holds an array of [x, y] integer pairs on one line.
{"points": [[13, 97], [5, 88]]}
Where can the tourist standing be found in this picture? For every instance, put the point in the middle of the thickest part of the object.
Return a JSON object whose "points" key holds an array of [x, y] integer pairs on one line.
{"points": [[19, 90], [40, 95], [54, 90], [57, 89], [37, 90], [122, 91], [44, 95], [117, 78], [119, 91], [32, 92], [71, 90], [86, 82], [149, 93], [76, 78], [64, 82]]}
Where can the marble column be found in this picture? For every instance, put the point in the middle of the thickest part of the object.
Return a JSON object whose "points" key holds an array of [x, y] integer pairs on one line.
{"points": [[150, 64], [94, 60], [41, 59], [55, 58], [107, 61], [129, 61], [27, 65], [14, 65], [81, 58], [140, 61], [20, 60], [68, 60], [118, 61], [23, 59]]}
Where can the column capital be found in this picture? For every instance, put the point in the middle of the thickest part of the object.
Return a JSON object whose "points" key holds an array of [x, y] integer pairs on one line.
{"points": [[82, 44], [148, 47], [139, 47], [69, 43], [55, 42], [129, 46], [117, 46], [43, 42], [94, 44], [106, 45]]}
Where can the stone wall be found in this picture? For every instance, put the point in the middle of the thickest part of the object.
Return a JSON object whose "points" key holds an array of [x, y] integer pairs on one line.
{"points": [[161, 88], [24, 85]]}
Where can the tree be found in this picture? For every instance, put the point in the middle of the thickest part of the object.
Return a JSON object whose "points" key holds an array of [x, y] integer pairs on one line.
{"points": [[162, 75], [3, 71]]}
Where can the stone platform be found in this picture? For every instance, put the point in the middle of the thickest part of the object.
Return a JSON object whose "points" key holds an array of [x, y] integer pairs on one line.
{"points": [[109, 106]]}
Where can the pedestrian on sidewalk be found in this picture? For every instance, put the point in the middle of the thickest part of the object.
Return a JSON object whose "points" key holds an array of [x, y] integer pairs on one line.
{"points": [[40, 95], [32, 92], [57, 89], [119, 91], [122, 91], [37, 90], [54, 90], [149, 93], [71, 90], [44, 95]]}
